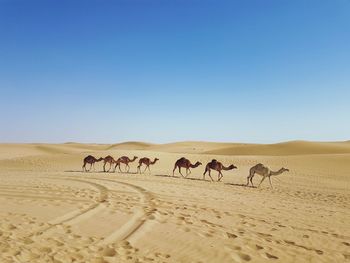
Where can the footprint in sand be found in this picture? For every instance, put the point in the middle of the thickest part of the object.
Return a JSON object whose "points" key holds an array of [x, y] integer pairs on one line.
{"points": [[241, 256], [259, 247], [231, 235], [109, 252], [270, 256], [320, 252]]}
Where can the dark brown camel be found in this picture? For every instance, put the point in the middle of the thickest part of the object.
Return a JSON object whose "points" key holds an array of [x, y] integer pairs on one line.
{"points": [[185, 163], [108, 159], [126, 160], [90, 160], [217, 166], [146, 161]]}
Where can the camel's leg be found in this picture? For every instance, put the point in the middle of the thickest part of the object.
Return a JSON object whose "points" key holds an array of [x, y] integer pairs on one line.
{"points": [[120, 170], [149, 169], [270, 182], [110, 166], [220, 175], [139, 168], [210, 175], [251, 180], [180, 172], [117, 165], [206, 170], [127, 166], [188, 171], [174, 170], [104, 167], [93, 166], [250, 177], [84, 169], [262, 181]]}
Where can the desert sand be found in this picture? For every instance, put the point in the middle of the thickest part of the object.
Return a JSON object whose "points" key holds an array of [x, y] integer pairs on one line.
{"points": [[51, 211]]}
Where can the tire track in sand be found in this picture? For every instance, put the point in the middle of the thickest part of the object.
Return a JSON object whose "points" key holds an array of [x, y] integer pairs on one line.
{"points": [[142, 219], [76, 216]]}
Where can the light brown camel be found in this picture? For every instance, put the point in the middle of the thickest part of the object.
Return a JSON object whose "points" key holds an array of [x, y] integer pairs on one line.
{"points": [[185, 163], [217, 166], [90, 160], [264, 172], [126, 160], [108, 159], [146, 161]]}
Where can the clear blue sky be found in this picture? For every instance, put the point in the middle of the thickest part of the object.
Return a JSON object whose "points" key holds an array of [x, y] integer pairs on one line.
{"points": [[162, 70]]}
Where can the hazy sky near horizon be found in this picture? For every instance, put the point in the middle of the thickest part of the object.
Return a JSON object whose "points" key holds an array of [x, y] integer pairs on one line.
{"points": [[162, 71]]}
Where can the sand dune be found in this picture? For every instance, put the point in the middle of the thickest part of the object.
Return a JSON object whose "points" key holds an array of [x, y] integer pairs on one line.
{"points": [[130, 146], [52, 212], [288, 148]]}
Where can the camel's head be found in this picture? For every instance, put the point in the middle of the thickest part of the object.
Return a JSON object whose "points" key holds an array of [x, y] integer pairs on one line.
{"points": [[156, 159], [198, 163], [232, 167], [135, 157], [285, 169], [99, 159]]}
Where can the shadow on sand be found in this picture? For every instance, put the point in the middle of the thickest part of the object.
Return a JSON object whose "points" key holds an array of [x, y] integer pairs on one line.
{"points": [[241, 185], [159, 175], [92, 172]]}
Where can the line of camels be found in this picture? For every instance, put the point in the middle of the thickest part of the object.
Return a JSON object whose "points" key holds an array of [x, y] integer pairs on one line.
{"points": [[215, 165]]}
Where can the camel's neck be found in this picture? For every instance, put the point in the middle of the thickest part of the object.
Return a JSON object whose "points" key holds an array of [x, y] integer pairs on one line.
{"points": [[227, 168], [133, 159], [155, 160], [280, 171]]}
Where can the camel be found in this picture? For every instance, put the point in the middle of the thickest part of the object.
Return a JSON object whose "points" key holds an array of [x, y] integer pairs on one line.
{"points": [[126, 160], [108, 159], [147, 162], [90, 160], [185, 163], [264, 172], [217, 166]]}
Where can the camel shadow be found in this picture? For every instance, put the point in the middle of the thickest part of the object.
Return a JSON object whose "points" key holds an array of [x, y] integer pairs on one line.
{"points": [[80, 171], [165, 175], [180, 177], [159, 175], [92, 172], [241, 185], [195, 179]]}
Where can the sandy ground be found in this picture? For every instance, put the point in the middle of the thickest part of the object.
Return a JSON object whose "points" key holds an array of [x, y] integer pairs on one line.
{"points": [[51, 211]]}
